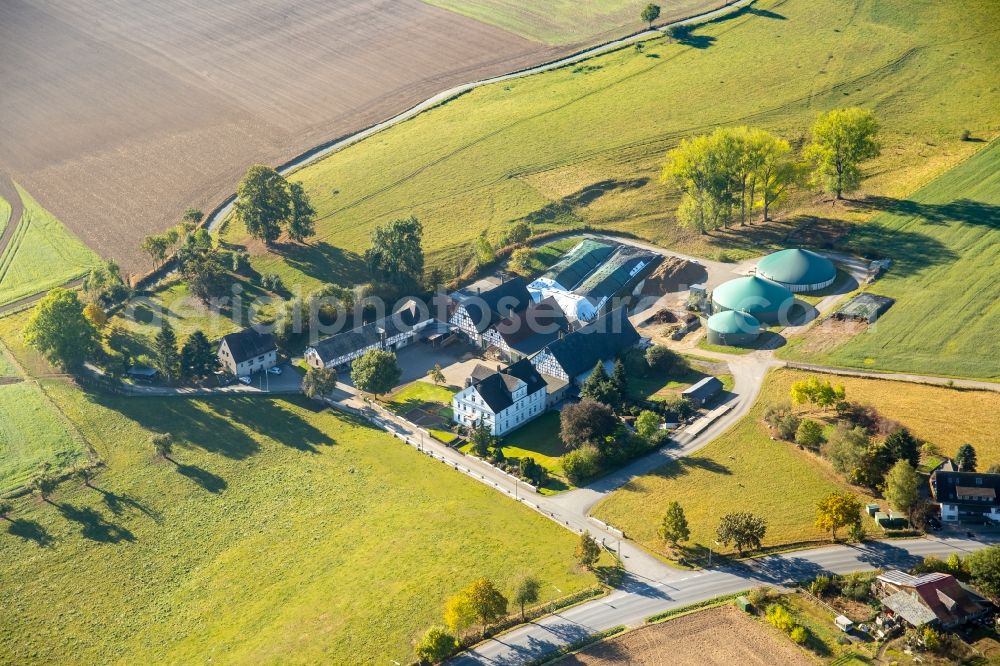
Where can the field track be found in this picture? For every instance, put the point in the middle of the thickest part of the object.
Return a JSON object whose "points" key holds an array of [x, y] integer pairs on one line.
{"points": [[9, 193]]}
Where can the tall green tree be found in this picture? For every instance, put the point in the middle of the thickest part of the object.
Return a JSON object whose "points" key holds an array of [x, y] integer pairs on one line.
{"points": [[396, 254], [776, 173], [302, 224], [44, 484], [487, 602], [435, 646], [481, 439], [263, 202], [587, 550], [104, 285], [650, 13], [166, 357], [904, 446], [198, 357], [377, 371], [984, 566], [526, 591], [485, 253], [674, 527], [60, 331], [162, 443], [842, 140], [204, 273], [587, 421], [742, 529], [902, 486], [156, 247], [837, 510], [966, 458], [319, 382]]}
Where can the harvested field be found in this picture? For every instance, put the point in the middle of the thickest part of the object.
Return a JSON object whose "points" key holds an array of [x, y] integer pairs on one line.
{"points": [[674, 274], [720, 636], [117, 116], [563, 21]]}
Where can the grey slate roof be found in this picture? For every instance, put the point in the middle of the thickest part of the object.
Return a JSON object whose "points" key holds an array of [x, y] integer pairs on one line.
{"points": [[529, 331], [351, 341], [249, 344], [602, 339], [485, 308], [497, 388], [946, 485]]}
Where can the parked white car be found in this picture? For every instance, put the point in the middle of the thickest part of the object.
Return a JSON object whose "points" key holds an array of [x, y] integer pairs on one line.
{"points": [[245, 380], [274, 371]]}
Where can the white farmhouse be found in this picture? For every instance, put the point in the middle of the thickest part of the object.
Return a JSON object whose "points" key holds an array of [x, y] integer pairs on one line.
{"points": [[247, 352], [503, 399]]}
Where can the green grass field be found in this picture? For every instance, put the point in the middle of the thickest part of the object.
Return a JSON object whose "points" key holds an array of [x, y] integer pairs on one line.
{"points": [[745, 470], [4, 214], [563, 21], [583, 145], [945, 244], [42, 254], [280, 533], [32, 432]]}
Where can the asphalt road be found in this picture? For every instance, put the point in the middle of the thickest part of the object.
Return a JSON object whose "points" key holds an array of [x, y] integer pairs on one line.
{"points": [[639, 598]]}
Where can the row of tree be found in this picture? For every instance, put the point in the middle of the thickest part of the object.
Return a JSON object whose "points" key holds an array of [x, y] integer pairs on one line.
{"points": [[733, 173]]}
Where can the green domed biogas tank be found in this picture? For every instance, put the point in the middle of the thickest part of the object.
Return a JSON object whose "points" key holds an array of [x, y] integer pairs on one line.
{"points": [[798, 270], [733, 328], [767, 301]]}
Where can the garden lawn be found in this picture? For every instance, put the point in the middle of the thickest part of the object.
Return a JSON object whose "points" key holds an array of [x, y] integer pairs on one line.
{"points": [[418, 394], [538, 439], [584, 144], [947, 308], [143, 317], [41, 254], [743, 470]]}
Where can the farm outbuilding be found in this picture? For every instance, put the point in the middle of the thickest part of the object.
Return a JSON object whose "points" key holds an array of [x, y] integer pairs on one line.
{"points": [[767, 301], [864, 307], [733, 328], [798, 270]]}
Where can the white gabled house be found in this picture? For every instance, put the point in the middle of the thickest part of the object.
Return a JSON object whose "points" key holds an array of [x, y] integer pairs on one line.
{"points": [[247, 352], [503, 399]]}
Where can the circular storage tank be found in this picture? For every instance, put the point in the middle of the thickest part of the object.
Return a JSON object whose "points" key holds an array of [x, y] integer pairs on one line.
{"points": [[798, 270], [733, 328], [767, 301]]}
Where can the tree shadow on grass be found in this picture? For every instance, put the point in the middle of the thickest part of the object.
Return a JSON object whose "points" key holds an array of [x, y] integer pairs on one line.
{"points": [[185, 419], [765, 13], [117, 504], [565, 207], [271, 418], [325, 262], [213, 483], [93, 525], [29, 530], [966, 211]]}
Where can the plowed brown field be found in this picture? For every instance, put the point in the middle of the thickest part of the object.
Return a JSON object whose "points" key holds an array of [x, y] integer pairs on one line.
{"points": [[118, 115], [718, 637]]}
